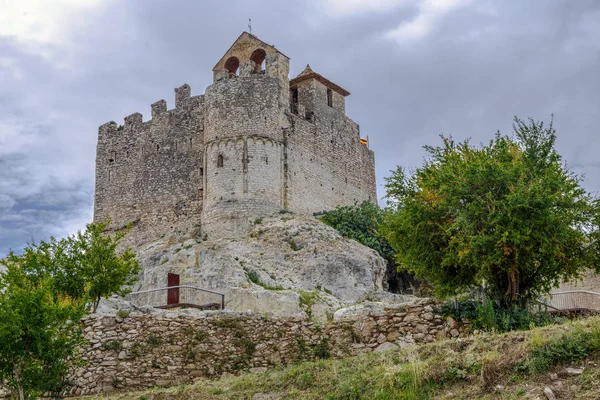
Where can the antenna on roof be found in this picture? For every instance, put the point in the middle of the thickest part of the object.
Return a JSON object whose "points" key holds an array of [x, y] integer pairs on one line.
{"points": [[250, 25]]}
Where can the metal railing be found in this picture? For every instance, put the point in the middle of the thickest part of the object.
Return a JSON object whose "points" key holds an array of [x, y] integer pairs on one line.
{"points": [[178, 297], [574, 300]]}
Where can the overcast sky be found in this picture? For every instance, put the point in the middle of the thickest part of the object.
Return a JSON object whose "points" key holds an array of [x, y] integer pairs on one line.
{"points": [[415, 69]]}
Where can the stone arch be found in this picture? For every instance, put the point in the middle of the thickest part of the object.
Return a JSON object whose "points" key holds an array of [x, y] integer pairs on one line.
{"points": [[258, 56], [232, 64]]}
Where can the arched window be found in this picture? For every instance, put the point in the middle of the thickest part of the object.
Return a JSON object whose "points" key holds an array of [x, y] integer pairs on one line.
{"points": [[258, 56], [220, 161], [232, 65]]}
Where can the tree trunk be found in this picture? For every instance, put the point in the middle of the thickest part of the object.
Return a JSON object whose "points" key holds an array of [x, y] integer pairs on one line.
{"points": [[17, 370], [96, 303], [513, 284]]}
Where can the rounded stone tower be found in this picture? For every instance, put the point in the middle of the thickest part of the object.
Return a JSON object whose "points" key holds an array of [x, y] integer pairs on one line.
{"points": [[243, 138]]}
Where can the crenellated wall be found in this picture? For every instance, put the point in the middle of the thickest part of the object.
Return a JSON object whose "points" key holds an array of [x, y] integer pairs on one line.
{"points": [[150, 174]]}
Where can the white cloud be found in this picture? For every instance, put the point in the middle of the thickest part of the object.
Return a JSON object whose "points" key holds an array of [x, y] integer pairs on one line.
{"points": [[431, 12], [40, 21], [346, 7]]}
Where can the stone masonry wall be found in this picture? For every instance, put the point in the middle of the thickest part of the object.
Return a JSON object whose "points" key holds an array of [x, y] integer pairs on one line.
{"points": [[148, 350], [327, 164], [149, 174]]}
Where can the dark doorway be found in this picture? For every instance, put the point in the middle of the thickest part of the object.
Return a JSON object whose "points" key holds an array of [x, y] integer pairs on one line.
{"points": [[172, 294]]}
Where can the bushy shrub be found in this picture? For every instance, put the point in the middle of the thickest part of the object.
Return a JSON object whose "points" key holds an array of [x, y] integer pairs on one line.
{"points": [[489, 316]]}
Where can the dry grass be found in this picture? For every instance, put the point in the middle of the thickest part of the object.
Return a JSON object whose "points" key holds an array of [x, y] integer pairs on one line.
{"points": [[520, 362]]}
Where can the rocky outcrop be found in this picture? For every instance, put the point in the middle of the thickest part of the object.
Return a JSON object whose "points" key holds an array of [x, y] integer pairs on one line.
{"points": [[286, 265]]}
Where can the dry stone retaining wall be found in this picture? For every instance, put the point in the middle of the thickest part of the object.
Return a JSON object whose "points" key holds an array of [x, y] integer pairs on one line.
{"points": [[148, 350]]}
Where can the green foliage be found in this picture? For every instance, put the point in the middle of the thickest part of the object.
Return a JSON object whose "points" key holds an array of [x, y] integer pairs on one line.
{"points": [[572, 346], [44, 292], [360, 222], [39, 333], [508, 216], [307, 300], [254, 277], [82, 266], [490, 316], [294, 246], [112, 345], [200, 336], [122, 313], [153, 340], [321, 349]]}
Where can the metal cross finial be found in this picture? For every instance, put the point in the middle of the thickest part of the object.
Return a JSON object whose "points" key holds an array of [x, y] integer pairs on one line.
{"points": [[250, 25]]}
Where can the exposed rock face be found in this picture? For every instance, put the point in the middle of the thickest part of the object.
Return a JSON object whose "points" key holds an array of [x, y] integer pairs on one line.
{"points": [[285, 266]]}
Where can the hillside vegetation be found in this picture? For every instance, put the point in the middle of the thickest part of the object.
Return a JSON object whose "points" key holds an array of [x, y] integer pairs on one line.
{"points": [[494, 366]]}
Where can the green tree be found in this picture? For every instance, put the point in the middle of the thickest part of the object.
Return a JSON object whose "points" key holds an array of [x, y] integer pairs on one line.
{"points": [[39, 333], [508, 216], [103, 270], [361, 222], [44, 292], [83, 266]]}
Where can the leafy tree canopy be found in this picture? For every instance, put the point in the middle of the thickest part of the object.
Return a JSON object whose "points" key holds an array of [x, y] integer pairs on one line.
{"points": [[39, 333], [44, 292], [361, 223], [83, 266], [508, 216]]}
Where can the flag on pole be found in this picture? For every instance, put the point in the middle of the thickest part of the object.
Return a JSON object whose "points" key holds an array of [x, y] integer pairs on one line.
{"points": [[364, 141]]}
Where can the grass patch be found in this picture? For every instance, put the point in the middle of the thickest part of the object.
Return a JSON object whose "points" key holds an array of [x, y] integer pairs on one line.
{"points": [[254, 277], [294, 246], [307, 300], [112, 345]]}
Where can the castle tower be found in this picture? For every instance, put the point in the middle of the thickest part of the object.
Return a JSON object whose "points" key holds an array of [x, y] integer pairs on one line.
{"points": [[244, 123]]}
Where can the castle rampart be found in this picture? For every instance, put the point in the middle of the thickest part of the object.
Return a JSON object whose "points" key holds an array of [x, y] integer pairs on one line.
{"points": [[254, 144]]}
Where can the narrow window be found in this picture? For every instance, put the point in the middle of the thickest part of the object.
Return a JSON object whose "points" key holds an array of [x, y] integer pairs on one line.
{"points": [[201, 194], [220, 161], [329, 97], [201, 171], [294, 101]]}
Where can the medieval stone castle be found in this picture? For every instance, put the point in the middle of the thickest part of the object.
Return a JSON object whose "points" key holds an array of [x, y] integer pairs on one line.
{"points": [[254, 144]]}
